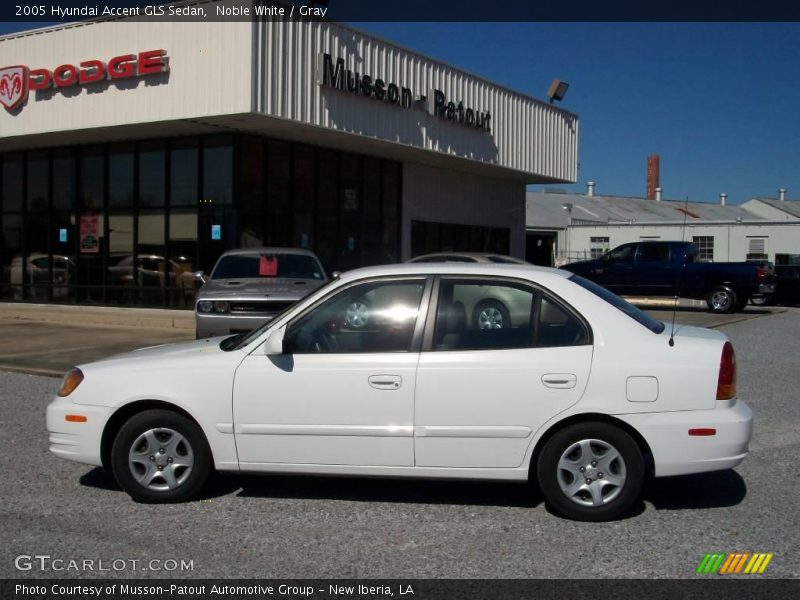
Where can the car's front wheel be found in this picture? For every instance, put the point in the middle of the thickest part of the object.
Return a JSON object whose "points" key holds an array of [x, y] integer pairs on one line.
{"points": [[160, 456], [591, 472]]}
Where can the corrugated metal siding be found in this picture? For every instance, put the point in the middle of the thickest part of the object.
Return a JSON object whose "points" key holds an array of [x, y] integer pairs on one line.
{"points": [[527, 135]]}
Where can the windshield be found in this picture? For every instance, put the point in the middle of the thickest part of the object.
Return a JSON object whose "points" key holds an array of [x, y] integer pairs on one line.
{"points": [[246, 266], [620, 304]]}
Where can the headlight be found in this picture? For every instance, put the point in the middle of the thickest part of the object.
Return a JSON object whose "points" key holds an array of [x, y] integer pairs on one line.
{"points": [[71, 380], [216, 306]]}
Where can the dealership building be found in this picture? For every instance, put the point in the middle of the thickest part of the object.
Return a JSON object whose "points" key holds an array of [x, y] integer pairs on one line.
{"points": [[133, 153]]}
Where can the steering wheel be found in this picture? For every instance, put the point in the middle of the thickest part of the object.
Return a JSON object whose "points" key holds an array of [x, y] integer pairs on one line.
{"points": [[322, 341]]}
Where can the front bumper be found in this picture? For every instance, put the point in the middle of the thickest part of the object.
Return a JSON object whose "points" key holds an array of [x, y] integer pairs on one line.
{"points": [[675, 452], [79, 442], [212, 325]]}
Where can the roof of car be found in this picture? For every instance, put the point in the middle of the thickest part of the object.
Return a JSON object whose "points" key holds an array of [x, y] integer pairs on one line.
{"points": [[268, 250], [455, 268], [478, 256]]}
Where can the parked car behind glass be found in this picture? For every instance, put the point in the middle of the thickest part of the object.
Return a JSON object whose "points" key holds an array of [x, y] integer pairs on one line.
{"points": [[249, 286]]}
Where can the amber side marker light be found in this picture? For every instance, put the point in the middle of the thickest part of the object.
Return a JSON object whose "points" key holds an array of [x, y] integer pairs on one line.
{"points": [[726, 384], [75, 418], [71, 380]]}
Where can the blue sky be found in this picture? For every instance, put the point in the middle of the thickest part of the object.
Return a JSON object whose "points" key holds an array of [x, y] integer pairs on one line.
{"points": [[720, 103]]}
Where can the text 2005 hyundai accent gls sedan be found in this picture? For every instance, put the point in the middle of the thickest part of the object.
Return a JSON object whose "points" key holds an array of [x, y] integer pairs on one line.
{"points": [[385, 371]]}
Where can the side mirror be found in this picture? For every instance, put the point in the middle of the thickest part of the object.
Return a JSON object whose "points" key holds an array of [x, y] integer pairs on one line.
{"points": [[201, 275], [273, 345]]}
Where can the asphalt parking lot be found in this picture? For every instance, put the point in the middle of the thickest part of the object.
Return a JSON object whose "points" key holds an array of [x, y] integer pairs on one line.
{"points": [[285, 527]]}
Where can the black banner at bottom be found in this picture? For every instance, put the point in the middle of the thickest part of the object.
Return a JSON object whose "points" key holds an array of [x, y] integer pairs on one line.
{"points": [[406, 589]]}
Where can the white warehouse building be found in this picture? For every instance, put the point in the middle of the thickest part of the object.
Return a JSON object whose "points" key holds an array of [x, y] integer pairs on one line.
{"points": [[565, 227]]}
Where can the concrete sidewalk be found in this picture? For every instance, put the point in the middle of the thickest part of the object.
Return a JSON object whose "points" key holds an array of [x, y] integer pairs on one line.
{"points": [[152, 318]]}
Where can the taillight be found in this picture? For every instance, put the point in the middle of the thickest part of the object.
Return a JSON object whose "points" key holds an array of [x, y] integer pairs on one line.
{"points": [[761, 273], [726, 385]]}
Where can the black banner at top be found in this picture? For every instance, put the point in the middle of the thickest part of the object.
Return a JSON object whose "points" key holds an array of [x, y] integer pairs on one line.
{"points": [[59, 11]]}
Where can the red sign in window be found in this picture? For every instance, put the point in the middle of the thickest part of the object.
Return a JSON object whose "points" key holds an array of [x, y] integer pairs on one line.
{"points": [[268, 266]]}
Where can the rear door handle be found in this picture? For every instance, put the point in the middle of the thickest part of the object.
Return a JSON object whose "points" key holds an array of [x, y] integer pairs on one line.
{"points": [[559, 380], [385, 382]]}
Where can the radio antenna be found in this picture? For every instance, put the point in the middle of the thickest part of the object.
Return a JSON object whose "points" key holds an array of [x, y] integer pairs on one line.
{"points": [[683, 273]]}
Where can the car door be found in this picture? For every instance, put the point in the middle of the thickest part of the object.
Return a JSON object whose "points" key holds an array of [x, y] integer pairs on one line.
{"points": [[615, 270], [483, 388], [653, 272], [342, 393]]}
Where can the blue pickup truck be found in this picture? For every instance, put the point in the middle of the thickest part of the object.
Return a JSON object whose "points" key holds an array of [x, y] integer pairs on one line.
{"points": [[672, 269]]}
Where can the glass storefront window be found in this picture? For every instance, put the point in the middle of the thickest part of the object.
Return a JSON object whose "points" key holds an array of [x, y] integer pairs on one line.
{"points": [[183, 173], [64, 179], [11, 257], [252, 192], [278, 175], [38, 182], [130, 222], [12, 183], [391, 190], [304, 178], [218, 171], [120, 176], [152, 174], [327, 182], [350, 193], [92, 178]]}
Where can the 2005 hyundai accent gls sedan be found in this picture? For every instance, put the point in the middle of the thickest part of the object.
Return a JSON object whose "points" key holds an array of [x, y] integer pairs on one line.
{"points": [[384, 372]]}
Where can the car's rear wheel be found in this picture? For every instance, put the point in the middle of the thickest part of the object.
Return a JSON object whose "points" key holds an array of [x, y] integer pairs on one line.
{"points": [[722, 299], [591, 472], [491, 314], [160, 456]]}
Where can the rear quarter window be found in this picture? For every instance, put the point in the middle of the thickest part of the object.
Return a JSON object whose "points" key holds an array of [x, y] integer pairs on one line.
{"points": [[620, 304]]}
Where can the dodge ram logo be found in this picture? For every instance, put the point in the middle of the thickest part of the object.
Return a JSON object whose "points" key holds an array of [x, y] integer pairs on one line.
{"points": [[13, 86]]}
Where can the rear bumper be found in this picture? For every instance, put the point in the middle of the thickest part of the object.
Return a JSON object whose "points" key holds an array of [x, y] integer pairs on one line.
{"points": [[675, 452], [79, 442]]}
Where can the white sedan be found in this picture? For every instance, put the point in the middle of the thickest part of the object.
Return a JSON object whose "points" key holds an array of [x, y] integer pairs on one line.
{"points": [[582, 393]]}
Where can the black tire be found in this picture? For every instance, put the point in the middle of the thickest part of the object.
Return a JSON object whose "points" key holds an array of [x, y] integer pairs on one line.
{"points": [[613, 501], [491, 314], [188, 480], [722, 300], [741, 305]]}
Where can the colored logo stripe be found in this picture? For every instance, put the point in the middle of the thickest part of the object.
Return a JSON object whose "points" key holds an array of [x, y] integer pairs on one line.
{"points": [[734, 563], [758, 563], [711, 563]]}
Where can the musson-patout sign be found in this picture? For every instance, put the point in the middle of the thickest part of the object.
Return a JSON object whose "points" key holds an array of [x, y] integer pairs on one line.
{"points": [[18, 80]]}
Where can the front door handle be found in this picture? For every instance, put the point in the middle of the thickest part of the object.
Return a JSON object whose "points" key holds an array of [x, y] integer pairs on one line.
{"points": [[562, 381], [385, 382]]}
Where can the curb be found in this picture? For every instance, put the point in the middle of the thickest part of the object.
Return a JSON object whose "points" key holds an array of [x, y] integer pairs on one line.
{"points": [[151, 318]]}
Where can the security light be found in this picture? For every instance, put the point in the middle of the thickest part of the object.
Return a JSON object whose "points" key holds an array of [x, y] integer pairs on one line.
{"points": [[557, 90]]}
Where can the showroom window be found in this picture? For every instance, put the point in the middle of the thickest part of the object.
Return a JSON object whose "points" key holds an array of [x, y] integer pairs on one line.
{"points": [[705, 247], [428, 237]]}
